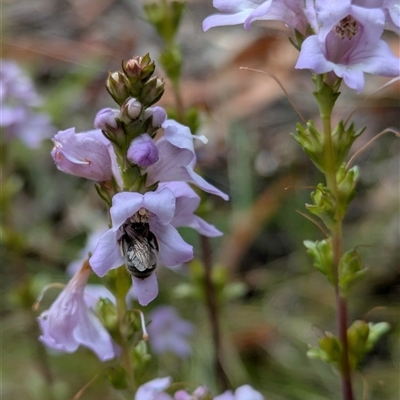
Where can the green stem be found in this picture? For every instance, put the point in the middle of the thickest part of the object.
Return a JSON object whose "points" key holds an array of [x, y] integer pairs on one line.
{"points": [[337, 245], [180, 109], [213, 309], [121, 310]]}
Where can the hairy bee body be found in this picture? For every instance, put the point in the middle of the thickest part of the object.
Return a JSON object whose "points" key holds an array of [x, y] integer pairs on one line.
{"points": [[139, 247]]}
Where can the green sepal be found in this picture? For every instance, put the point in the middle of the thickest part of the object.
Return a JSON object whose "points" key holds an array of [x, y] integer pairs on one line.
{"points": [[107, 314], [117, 377], [298, 39], [116, 136], [325, 94], [133, 324], [312, 142], [329, 350], [362, 337], [152, 91], [342, 140], [140, 357], [324, 205], [347, 181], [350, 271], [322, 255], [103, 193], [116, 87]]}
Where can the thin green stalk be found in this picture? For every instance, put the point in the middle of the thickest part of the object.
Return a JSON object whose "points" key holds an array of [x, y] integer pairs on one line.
{"points": [[121, 310], [213, 311], [180, 109], [337, 245]]}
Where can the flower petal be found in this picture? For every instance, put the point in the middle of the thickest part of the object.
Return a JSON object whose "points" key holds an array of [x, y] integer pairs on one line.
{"points": [[146, 289], [228, 395], [92, 334], [125, 205], [173, 249], [107, 254], [161, 203], [149, 390], [246, 392]]}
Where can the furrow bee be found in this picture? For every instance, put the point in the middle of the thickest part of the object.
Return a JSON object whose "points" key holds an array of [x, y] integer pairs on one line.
{"points": [[139, 247]]}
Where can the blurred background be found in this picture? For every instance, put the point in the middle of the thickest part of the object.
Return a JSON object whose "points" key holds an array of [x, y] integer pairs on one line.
{"points": [[67, 48]]}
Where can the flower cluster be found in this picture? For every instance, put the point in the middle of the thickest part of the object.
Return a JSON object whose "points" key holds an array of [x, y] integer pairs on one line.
{"points": [[346, 34], [155, 390], [142, 174], [19, 102]]}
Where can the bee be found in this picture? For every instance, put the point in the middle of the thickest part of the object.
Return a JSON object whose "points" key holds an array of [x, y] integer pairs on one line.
{"points": [[139, 247]]}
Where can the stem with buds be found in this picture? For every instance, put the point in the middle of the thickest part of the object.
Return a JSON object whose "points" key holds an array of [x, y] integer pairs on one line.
{"points": [[337, 247]]}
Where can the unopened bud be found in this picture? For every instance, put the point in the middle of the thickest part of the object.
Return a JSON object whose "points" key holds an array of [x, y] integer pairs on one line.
{"points": [[105, 119], [138, 68], [133, 108], [143, 151], [159, 116], [117, 88], [152, 91]]}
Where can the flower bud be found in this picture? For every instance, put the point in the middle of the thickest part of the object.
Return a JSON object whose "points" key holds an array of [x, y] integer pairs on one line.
{"points": [[105, 119], [131, 110], [159, 116], [143, 151], [324, 205], [322, 255], [152, 91], [116, 86], [138, 68], [350, 270]]}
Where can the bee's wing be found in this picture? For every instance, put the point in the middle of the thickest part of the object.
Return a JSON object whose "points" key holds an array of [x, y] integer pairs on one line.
{"points": [[141, 254], [140, 251]]}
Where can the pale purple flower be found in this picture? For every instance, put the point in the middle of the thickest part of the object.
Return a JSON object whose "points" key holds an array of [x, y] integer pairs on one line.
{"points": [[245, 392], [69, 322], [16, 86], [187, 201], [234, 12], [391, 8], [25, 124], [169, 332], [154, 390], [177, 159], [159, 208], [143, 151], [290, 12], [82, 154], [18, 101], [348, 43]]}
